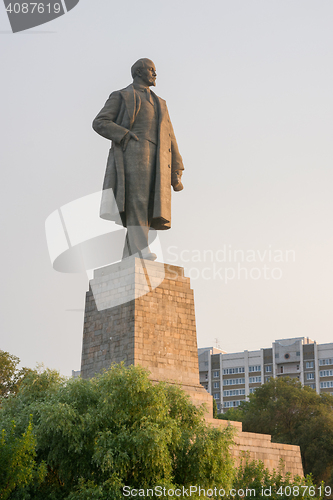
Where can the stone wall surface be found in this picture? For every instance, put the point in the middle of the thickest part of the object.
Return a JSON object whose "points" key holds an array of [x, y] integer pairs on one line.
{"points": [[260, 447], [142, 313]]}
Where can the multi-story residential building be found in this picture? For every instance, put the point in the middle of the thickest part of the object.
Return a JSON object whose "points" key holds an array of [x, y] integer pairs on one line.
{"points": [[232, 377]]}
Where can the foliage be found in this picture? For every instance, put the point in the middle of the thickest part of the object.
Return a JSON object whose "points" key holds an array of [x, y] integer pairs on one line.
{"points": [[215, 414], [232, 414], [86, 439], [252, 475], [18, 466], [10, 376], [117, 429], [295, 415]]}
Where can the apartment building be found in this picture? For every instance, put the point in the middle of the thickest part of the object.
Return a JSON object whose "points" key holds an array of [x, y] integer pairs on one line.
{"points": [[232, 377]]}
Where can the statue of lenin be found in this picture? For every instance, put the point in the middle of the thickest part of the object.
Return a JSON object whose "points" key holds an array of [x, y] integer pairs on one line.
{"points": [[143, 162]]}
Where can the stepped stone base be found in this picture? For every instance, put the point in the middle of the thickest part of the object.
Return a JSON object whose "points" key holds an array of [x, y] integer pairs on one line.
{"points": [[142, 313], [260, 447]]}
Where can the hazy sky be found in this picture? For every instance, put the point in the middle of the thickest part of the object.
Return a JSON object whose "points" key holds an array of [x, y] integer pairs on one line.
{"points": [[249, 90]]}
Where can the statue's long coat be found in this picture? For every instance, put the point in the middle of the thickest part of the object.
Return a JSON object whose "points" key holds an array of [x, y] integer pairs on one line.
{"points": [[113, 121]]}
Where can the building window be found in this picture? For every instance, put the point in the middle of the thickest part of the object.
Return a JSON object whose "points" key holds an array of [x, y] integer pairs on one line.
{"points": [[297, 367], [206, 363], [281, 369], [267, 379], [268, 369], [326, 373], [253, 389], [255, 368], [312, 386], [310, 376], [229, 371], [231, 404], [309, 364], [255, 380], [216, 385], [216, 395], [216, 374], [234, 392], [206, 375], [233, 381], [325, 385], [298, 353], [327, 361], [276, 354], [218, 406]]}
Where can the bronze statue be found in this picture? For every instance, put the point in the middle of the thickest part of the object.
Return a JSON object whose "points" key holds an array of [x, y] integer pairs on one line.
{"points": [[143, 162]]}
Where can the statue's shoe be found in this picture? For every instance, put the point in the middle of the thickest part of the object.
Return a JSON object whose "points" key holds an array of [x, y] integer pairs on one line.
{"points": [[149, 256]]}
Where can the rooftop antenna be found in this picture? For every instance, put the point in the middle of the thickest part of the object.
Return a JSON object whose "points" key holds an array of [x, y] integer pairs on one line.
{"points": [[217, 343]]}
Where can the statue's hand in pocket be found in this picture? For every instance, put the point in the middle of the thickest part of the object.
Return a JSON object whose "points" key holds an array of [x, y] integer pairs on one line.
{"points": [[127, 137]]}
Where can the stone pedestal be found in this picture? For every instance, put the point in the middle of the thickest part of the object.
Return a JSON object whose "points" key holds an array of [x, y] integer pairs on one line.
{"points": [[260, 447], [142, 312]]}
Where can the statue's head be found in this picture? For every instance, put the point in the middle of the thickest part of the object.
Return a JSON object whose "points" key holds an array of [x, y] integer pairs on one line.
{"points": [[144, 71]]}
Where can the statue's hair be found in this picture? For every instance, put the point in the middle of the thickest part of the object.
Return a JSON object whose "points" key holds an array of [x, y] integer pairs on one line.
{"points": [[140, 63]]}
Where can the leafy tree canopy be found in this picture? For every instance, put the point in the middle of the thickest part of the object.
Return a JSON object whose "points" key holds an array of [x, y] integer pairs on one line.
{"points": [[87, 439], [10, 375], [18, 467], [293, 414], [96, 436]]}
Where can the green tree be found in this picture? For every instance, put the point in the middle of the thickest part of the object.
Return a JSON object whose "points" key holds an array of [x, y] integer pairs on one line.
{"points": [[18, 467], [296, 415], [232, 414], [97, 435], [10, 375], [253, 476], [215, 414]]}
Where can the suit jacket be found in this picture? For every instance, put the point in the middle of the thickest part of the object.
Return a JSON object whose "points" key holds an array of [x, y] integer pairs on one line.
{"points": [[113, 121]]}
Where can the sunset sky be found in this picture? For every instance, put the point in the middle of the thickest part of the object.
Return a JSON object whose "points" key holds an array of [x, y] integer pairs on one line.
{"points": [[248, 85]]}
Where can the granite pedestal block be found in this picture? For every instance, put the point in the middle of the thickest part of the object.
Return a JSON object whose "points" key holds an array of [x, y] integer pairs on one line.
{"points": [[142, 313]]}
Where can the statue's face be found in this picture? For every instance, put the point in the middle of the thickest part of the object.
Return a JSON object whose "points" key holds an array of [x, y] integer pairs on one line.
{"points": [[148, 74]]}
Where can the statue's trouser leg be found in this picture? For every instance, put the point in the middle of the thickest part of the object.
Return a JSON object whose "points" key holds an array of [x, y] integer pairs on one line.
{"points": [[140, 167]]}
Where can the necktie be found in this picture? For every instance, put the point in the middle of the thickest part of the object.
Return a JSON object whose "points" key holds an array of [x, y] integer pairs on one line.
{"points": [[149, 97]]}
